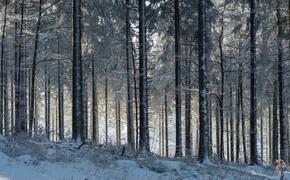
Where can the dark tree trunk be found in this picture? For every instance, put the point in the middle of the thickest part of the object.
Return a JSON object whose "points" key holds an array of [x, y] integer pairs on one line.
{"points": [[3, 96], [166, 124], [238, 119], [217, 123], [232, 126], [203, 104], [94, 105], [262, 142], [143, 103], [242, 113], [178, 150], [33, 70], [130, 124], [283, 124], [118, 123], [253, 101], [221, 98], [210, 128], [106, 109], [77, 84], [188, 138], [60, 96], [47, 102], [275, 155], [270, 130]]}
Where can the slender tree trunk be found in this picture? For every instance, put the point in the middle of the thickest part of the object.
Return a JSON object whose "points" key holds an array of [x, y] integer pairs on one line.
{"points": [[217, 123], [130, 124], [21, 76], [283, 124], [188, 138], [106, 109], [47, 102], [231, 126], [221, 39], [135, 92], [242, 114], [253, 103], [203, 104], [275, 155], [270, 130], [94, 105], [228, 137], [210, 128], [118, 123], [33, 70], [3, 87], [77, 110], [166, 124], [178, 150], [16, 87], [238, 119], [60, 94], [144, 145], [262, 142]]}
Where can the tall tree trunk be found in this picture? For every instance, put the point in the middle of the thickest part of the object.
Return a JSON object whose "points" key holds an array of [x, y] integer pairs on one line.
{"points": [[275, 152], [238, 119], [21, 76], [118, 123], [270, 130], [203, 111], [228, 137], [178, 150], [33, 70], [130, 124], [242, 113], [166, 124], [60, 94], [16, 87], [47, 102], [94, 105], [144, 145], [210, 128], [231, 126], [217, 123], [188, 139], [77, 83], [253, 103], [262, 142], [106, 109], [3, 96], [135, 91], [283, 124], [221, 98]]}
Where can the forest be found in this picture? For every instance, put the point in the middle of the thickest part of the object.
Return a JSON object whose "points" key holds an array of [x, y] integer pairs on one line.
{"points": [[144, 89]]}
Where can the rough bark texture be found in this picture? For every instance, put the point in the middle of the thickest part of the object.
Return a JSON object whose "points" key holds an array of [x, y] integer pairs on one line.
{"points": [[143, 103], [178, 150], [203, 113], [130, 124], [77, 110], [253, 101], [282, 119]]}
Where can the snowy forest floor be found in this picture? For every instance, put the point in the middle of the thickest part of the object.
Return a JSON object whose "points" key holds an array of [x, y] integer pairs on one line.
{"points": [[38, 159]]}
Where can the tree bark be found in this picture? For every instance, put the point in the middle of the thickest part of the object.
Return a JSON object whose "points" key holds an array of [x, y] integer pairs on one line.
{"points": [[283, 124], [130, 124], [253, 99], [143, 103], [203, 104], [77, 83], [178, 150]]}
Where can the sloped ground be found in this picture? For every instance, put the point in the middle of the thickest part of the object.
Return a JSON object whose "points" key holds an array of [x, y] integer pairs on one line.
{"points": [[22, 159]]}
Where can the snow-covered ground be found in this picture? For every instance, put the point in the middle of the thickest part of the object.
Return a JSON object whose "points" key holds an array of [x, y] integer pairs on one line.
{"points": [[22, 159]]}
